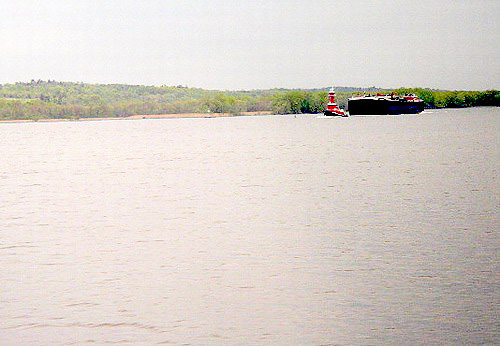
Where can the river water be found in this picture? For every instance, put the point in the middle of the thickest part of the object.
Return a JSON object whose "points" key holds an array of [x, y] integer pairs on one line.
{"points": [[271, 230]]}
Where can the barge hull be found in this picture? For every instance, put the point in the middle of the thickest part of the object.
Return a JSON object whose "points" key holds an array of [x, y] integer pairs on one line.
{"points": [[383, 106]]}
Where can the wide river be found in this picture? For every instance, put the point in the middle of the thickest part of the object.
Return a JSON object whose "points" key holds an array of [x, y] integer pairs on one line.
{"points": [[270, 230]]}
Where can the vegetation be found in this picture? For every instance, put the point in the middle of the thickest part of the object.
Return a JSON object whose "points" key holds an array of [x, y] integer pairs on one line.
{"points": [[454, 99], [51, 99]]}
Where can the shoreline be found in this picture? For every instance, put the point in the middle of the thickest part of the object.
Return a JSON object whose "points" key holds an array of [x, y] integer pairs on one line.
{"points": [[141, 116]]}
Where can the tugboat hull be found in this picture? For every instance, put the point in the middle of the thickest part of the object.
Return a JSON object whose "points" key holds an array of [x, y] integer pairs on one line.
{"points": [[335, 114]]}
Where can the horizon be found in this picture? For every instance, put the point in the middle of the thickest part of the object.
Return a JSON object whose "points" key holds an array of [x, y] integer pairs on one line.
{"points": [[254, 89], [252, 45]]}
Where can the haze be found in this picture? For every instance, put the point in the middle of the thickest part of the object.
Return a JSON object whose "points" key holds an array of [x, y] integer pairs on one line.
{"points": [[253, 44]]}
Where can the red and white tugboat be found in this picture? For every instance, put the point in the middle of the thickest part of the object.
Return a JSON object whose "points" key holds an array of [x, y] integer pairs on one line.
{"points": [[332, 110]]}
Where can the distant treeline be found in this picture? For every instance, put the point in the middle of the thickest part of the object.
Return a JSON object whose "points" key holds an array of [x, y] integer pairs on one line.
{"points": [[51, 99], [454, 99]]}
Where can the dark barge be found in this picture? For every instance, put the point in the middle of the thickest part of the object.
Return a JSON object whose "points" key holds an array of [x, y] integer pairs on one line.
{"points": [[384, 104]]}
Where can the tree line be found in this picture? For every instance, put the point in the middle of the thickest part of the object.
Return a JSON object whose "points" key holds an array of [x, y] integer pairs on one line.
{"points": [[453, 99], [50, 99]]}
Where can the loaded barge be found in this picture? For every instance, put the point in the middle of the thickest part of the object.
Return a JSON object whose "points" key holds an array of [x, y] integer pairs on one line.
{"points": [[385, 104]]}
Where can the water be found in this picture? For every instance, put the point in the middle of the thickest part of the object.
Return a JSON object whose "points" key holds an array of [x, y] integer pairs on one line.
{"points": [[251, 230]]}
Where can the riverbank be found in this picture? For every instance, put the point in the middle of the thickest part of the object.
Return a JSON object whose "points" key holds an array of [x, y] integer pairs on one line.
{"points": [[67, 101], [142, 116]]}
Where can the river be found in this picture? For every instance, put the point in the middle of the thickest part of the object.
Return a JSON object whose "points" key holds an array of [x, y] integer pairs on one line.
{"points": [[270, 230]]}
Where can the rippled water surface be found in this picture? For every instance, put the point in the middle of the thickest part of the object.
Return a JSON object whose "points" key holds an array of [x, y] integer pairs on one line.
{"points": [[251, 230]]}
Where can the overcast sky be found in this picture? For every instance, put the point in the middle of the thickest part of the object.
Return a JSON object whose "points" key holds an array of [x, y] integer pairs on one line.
{"points": [[248, 44]]}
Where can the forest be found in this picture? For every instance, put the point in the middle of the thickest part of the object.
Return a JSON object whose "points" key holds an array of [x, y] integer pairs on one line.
{"points": [[40, 99]]}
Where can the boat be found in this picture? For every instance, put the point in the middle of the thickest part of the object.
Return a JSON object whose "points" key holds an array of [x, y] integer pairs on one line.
{"points": [[332, 109], [380, 104]]}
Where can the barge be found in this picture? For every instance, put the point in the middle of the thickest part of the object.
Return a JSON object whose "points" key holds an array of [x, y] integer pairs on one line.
{"points": [[385, 104]]}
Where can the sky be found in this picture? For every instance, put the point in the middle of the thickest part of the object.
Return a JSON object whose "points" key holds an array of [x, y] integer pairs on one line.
{"points": [[253, 44]]}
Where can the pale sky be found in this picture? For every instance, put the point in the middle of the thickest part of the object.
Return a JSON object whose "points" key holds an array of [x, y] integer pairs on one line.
{"points": [[250, 44]]}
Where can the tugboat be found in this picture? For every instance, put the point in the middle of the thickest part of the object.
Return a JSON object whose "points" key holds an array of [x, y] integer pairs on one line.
{"points": [[385, 104], [332, 110]]}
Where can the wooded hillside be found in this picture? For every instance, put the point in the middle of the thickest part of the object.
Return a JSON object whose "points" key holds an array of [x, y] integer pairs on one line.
{"points": [[50, 99]]}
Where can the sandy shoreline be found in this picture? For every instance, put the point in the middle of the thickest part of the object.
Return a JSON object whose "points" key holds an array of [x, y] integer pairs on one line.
{"points": [[143, 116]]}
